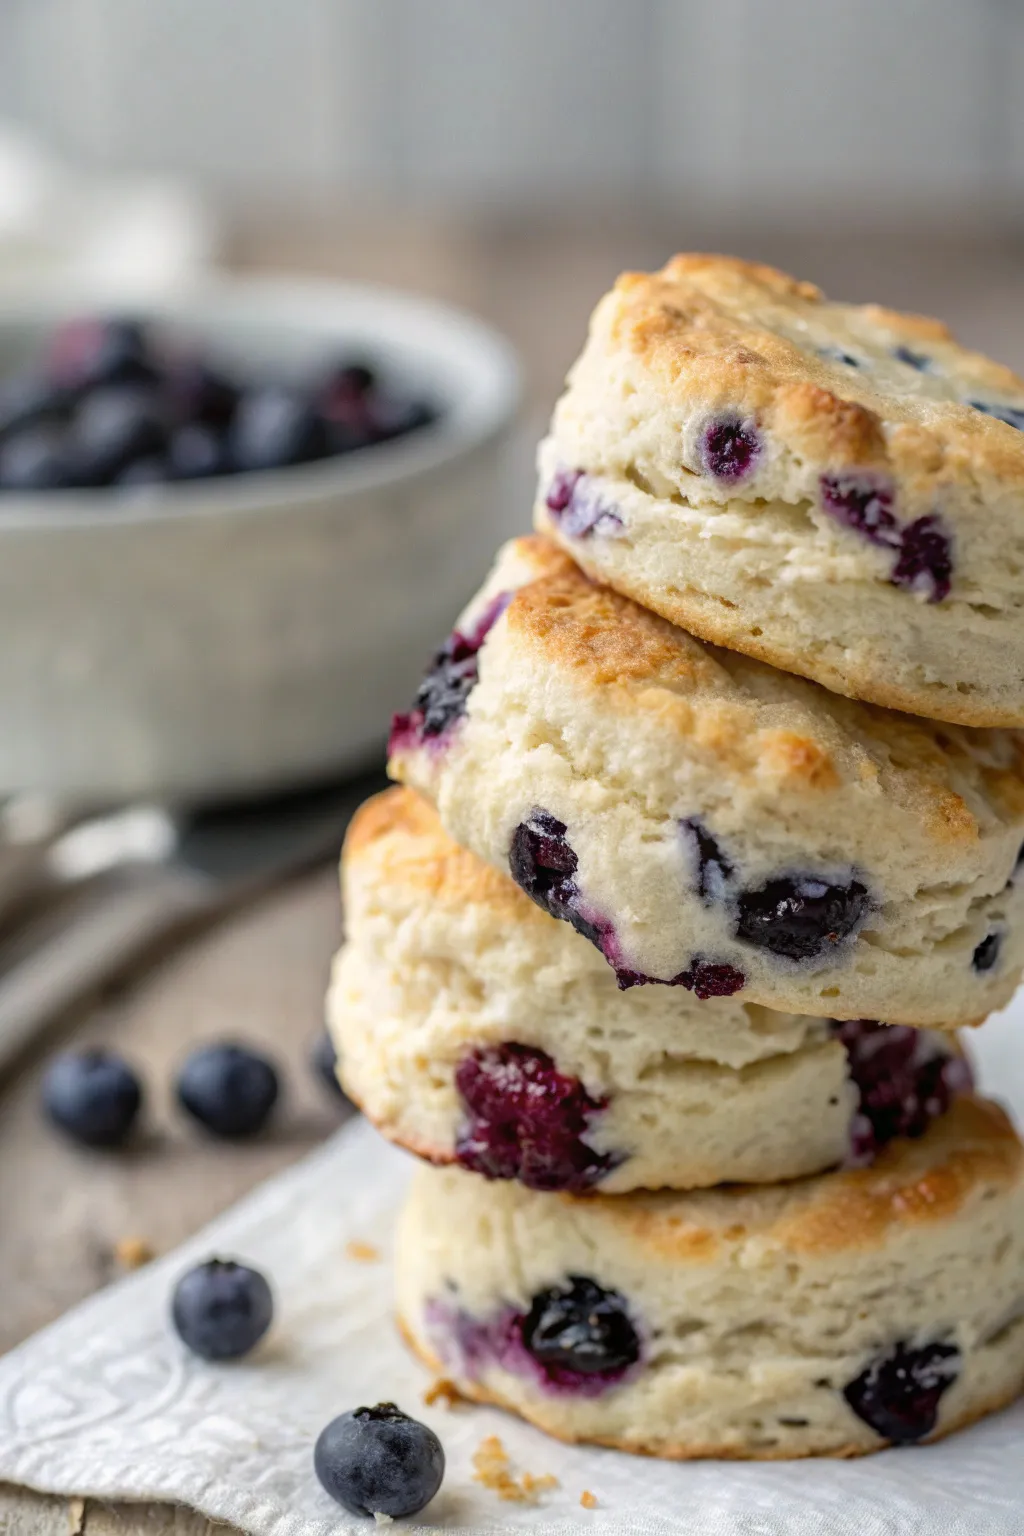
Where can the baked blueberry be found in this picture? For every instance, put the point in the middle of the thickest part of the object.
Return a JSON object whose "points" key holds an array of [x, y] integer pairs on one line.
{"points": [[93, 1096], [899, 1393], [713, 868], [221, 1309], [800, 917], [925, 562], [526, 1120], [580, 1330], [986, 955], [730, 448], [229, 1089], [919, 361], [574, 501], [542, 862], [863, 504], [1013, 415], [451, 677], [904, 1077], [379, 1461]]}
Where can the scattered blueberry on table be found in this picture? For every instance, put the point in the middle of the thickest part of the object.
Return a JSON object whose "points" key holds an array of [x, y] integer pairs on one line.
{"points": [[222, 1309], [229, 1089], [93, 1096], [379, 1461], [116, 402], [323, 1059]]}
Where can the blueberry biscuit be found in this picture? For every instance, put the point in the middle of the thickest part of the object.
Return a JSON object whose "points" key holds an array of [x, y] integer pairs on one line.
{"points": [[711, 823], [830, 1316], [473, 1028], [835, 489]]}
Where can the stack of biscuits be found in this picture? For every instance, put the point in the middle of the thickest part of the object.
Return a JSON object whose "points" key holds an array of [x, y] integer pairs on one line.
{"points": [[705, 851]]}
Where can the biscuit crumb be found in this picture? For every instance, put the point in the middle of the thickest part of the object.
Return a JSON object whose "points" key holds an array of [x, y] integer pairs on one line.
{"points": [[587, 1499], [493, 1469], [443, 1391], [363, 1253], [132, 1252]]}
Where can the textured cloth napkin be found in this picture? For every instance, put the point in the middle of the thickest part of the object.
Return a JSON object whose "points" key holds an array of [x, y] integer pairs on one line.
{"points": [[108, 1402]]}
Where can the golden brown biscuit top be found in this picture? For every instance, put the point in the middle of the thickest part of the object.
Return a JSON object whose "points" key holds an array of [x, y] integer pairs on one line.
{"points": [[839, 387], [968, 1153], [748, 720], [399, 834]]}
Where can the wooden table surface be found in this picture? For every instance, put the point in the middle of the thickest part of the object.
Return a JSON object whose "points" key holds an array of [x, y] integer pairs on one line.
{"points": [[260, 974]]}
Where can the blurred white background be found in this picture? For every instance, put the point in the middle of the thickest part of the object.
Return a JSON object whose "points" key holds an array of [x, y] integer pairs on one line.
{"points": [[790, 108]]}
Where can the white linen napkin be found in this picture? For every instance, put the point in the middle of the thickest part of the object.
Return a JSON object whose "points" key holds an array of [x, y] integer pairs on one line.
{"points": [[107, 1402]]}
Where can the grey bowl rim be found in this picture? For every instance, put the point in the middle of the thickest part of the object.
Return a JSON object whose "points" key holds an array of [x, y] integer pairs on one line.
{"points": [[474, 421]]}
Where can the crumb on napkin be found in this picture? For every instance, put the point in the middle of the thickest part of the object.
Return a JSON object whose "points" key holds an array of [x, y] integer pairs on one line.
{"points": [[132, 1252], [587, 1499], [443, 1391], [363, 1253], [493, 1469]]}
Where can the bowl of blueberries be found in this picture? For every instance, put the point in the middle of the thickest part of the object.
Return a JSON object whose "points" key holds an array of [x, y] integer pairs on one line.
{"points": [[231, 526]]}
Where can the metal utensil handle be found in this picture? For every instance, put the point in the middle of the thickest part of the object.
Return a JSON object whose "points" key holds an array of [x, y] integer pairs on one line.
{"points": [[101, 938]]}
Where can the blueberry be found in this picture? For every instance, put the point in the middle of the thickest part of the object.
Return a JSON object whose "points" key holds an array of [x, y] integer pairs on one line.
{"points": [[1013, 415], [111, 428], [93, 1096], [199, 393], [323, 1059], [704, 978], [229, 1089], [451, 677], [576, 505], [36, 458], [391, 416], [541, 861], [526, 1120], [863, 504], [85, 354], [152, 470], [730, 448], [713, 868], [275, 426], [800, 917], [925, 560], [221, 1309], [917, 360], [378, 1461], [837, 355], [904, 1077], [26, 400], [987, 953], [195, 452], [899, 1393], [579, 1329]]}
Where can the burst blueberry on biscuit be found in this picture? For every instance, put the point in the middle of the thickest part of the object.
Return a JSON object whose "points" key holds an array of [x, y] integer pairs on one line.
{"points": [[830, 1316], [835, 489], [710, 823], [472, 1028]]}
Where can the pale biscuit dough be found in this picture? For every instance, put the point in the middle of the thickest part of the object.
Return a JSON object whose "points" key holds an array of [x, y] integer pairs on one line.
{"points": [[865, 526], [753, 1310], [446, 960], [725, 826]]}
